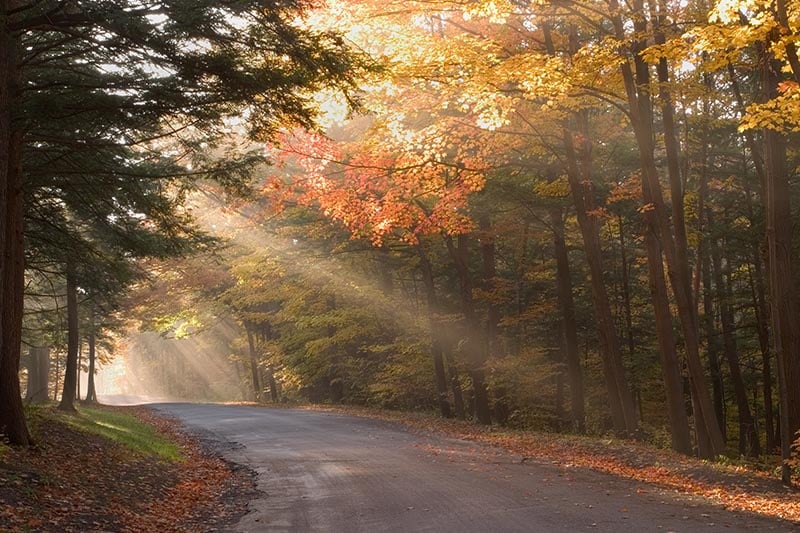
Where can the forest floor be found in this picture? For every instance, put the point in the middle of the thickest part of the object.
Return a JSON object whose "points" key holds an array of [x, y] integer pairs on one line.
{"points": [[120, 469], [732, 485]]}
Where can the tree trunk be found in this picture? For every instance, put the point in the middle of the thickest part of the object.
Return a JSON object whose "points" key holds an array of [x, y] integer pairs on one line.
{"points": [[670, 367], [493, 349], [712, 346], [251, 344], [784, 304], [273, 386], [626, 290], [12, 256], [78, 371], [748, 434], [472, 344], [569, 328], [455, 385], [704, 252], [436, 342], [91, 393], [73, 339], [755, 272], [38, 375]]}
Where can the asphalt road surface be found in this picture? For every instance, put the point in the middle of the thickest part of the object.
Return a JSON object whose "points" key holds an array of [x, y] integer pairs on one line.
{"points": [[328, 472]]}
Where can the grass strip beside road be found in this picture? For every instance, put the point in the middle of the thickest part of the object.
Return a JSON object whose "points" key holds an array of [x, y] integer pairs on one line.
{"points": [[127, 430]]}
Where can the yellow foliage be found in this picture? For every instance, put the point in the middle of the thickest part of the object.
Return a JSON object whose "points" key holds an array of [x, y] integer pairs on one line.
{"points": [[558, 188]]}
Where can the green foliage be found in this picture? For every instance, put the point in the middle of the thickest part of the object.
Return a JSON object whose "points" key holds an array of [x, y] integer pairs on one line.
{"points": [[126, 430]]}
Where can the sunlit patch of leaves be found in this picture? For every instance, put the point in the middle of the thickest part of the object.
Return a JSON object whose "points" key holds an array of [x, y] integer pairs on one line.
{"points": [[77, 480]]}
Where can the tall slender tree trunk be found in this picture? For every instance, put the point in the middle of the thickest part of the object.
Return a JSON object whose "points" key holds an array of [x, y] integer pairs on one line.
{"points": [[569, 328], [78, 371], [755, 273], [91, 392], [474, 344], [704, 259], [73, 339], [437, 351], [670, 367], [748, 433], [493, 347], [256, 375], [712, 346], [626, 290], [12, 257], [455, 384]]}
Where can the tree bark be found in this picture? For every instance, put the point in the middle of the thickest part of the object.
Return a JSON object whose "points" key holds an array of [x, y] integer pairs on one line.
{"points": [[12, 257], [73, 339], [91, 392], [755, 273], [569, 328], [783, 300]]}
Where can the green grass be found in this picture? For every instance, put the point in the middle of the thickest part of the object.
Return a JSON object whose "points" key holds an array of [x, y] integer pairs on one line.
{"points": [[126, 430]]}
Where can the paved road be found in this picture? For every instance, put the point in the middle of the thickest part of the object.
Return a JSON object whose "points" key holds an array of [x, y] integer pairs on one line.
{"points": [[328, 472]]}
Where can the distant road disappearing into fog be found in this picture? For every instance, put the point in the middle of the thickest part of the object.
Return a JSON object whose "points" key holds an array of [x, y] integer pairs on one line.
{"points": [[327, 472]]}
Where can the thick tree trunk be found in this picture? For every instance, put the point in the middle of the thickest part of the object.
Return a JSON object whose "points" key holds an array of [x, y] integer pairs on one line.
{"points": [[71, 366], [569, 328], [436, 341], [12, 257], [783, 299]]}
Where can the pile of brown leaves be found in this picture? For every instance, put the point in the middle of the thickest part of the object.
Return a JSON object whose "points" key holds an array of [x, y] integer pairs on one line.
{"points": [[77, 482]]}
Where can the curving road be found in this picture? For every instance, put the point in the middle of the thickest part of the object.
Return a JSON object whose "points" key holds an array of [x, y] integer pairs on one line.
{"points": [[327, 472]]}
